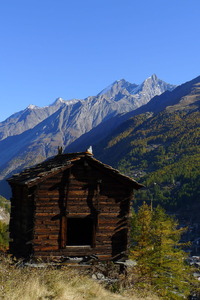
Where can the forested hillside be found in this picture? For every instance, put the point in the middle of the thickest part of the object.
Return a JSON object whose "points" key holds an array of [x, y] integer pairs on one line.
{"points": [[161, 151]]}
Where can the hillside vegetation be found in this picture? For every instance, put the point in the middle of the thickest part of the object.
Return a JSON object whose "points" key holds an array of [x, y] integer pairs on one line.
{"points": [[4, 219], [161, 262], [161, 151], [27, 283]]}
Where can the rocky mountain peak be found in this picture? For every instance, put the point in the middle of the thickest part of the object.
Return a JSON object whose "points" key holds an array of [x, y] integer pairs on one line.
{"points": [[36, 133], [153, 77], [153, 81], [58, 101], [31, 106], [117, 86], [151, 87]]}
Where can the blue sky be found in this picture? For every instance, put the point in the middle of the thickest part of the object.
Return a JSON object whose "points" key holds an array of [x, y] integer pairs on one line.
{"points": [[75, 48]]}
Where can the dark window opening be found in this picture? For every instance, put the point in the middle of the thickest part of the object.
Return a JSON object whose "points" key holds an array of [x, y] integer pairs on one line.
{"points": [[80, 231]]}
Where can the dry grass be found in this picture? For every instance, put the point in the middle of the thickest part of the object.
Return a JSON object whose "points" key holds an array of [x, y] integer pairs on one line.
{"points": [[42, 284]]}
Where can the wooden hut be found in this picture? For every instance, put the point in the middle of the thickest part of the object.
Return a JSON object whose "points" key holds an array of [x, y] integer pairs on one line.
{"points": [[71, 205]]}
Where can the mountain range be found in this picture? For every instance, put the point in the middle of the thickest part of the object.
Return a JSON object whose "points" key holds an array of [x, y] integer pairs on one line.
{"points": [[159, 145], [32, 135], [150, 132]]}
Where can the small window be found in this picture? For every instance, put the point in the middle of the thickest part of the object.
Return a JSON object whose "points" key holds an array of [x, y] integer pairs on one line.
{"points": [[80, 232]]}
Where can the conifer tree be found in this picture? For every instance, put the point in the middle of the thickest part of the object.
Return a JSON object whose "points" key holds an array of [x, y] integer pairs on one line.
{"points": [[161, 263]]}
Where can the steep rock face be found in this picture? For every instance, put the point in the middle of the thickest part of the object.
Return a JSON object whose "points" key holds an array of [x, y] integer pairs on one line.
{"points": [[137, 94], [150, 88], [119, 86], [34, 134], [161, 117], [104, 105], [28, 118], [184, 97]]}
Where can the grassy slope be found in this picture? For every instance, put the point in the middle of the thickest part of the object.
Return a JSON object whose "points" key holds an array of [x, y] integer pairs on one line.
{"points": [[66, 284]]}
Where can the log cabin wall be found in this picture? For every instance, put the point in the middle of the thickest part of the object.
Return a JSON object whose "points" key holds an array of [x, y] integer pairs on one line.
{"points": [[77, 208], [84, 204]]}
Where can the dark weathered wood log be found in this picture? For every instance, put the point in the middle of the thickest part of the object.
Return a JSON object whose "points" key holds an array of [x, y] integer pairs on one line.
{"points": [[46, 231], [39, 213], [45, 248], [44, 214]]}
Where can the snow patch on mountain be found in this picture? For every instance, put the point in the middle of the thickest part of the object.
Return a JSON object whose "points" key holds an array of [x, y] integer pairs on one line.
{"points": [[31, 106], [60, 100]]}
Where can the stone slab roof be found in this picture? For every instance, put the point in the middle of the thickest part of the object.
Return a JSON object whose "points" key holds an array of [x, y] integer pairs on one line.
{"points": [[39, 172]]}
